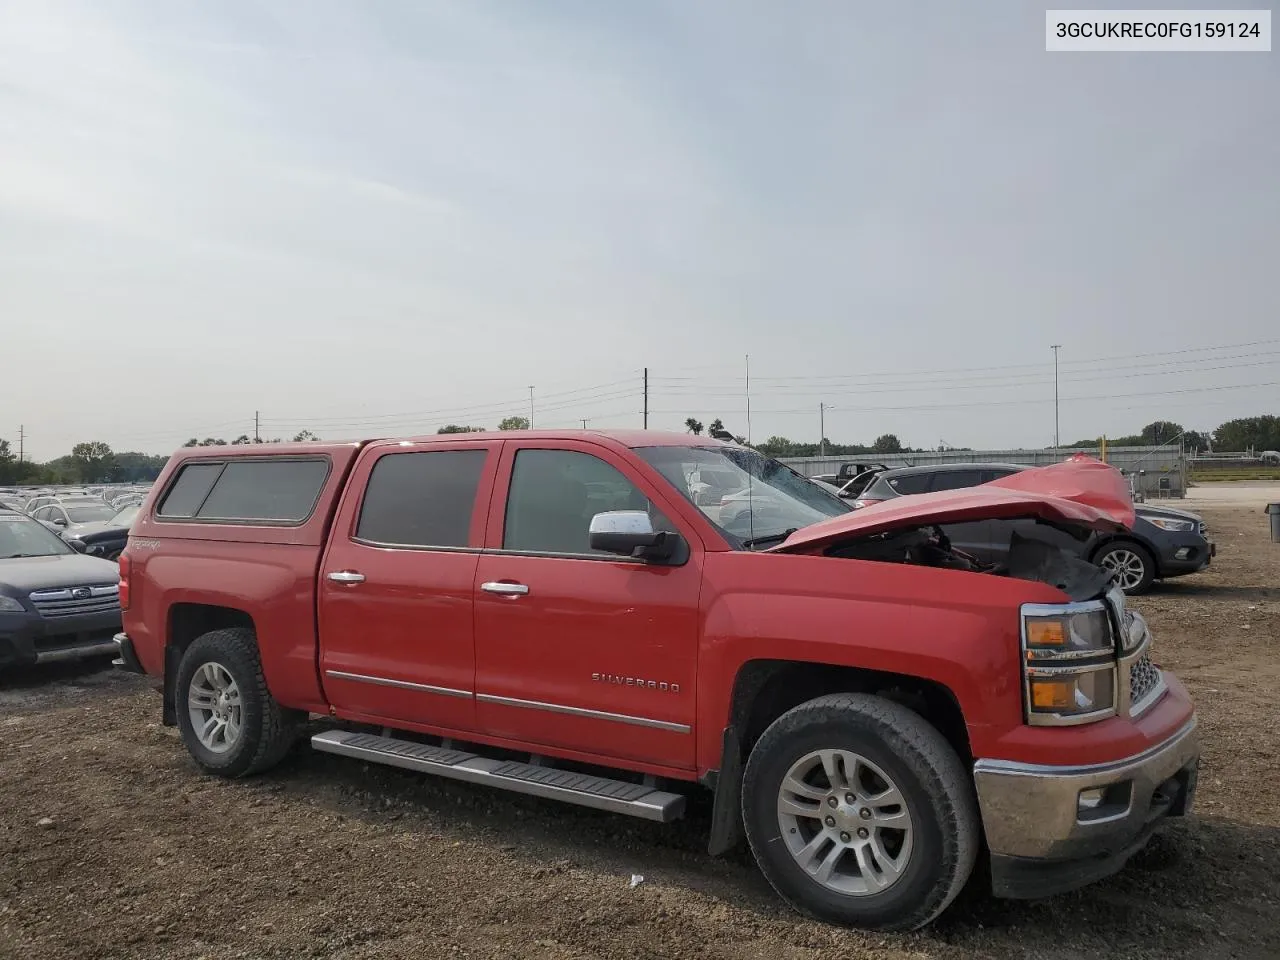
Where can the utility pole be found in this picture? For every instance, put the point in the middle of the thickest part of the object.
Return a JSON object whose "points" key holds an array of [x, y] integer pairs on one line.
{"points": [[22, 439], [822, 429], [646, 398], [257, 432], [747, 384], [584, 423], [1057, 440], [530, 408]]}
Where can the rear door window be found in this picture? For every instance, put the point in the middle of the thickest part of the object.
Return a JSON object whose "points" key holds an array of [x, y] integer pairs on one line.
{"points": [[957, 479], [421, 499]]}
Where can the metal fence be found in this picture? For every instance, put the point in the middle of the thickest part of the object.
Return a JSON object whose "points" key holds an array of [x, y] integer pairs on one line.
{"points": [[1159, 471]]}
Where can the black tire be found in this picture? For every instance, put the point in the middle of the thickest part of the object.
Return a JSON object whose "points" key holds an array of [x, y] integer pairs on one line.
{"points": [[267, 730], [1140, 554], [939, 795]]}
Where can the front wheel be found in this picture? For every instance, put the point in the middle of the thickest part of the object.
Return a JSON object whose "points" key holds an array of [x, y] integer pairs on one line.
{"points": [[1130, 564], [859, 812]]}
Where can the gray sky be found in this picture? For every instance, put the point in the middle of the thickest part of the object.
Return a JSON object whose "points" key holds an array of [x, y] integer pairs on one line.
{"points": [[386, 215]]}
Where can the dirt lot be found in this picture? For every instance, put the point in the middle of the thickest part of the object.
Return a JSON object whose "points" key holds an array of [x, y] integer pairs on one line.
{"points": [[326, 857]]}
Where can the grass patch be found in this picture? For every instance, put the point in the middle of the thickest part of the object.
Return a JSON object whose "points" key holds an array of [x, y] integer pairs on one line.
{"points": [[1235, 473]]}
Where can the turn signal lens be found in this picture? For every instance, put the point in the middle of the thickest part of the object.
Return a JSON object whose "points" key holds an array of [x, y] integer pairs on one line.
{"points": [[1052, 694], [1075, 695], [1046, 633]]}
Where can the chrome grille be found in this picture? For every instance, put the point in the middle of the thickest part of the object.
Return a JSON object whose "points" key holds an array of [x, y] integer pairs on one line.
{"points": [[74, 601], [1144, 678]]}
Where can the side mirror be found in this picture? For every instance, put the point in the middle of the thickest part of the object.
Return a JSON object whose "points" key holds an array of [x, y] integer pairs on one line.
{"points": [[630, 533], [59, 521], [77, 545]]}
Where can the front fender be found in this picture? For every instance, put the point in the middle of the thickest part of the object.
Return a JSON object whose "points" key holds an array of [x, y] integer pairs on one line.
{"points": [[953, 628]]}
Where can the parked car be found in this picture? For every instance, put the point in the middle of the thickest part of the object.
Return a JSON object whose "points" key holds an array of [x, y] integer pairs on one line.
{"points": [[869, 707], [54, 603], [1163, 542], [74, 517], [109, 540], [36, 502]]}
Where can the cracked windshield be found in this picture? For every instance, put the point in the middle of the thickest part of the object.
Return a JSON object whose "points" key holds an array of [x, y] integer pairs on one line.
{"points": [[755, 500]]}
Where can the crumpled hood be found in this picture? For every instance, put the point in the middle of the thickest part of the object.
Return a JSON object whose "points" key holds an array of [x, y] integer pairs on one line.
{"points": [[1080, 491]]}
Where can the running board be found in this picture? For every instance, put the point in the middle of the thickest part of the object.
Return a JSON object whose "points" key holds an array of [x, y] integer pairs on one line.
{"points": [[616, 796]]}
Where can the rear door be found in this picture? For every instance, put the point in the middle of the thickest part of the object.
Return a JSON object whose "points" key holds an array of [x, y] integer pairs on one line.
{"points": [[395, 588]]}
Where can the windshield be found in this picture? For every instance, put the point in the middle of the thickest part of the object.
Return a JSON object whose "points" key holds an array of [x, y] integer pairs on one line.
{"points": [[21, 537], [126, 516], [89, 512], [749, 497]]}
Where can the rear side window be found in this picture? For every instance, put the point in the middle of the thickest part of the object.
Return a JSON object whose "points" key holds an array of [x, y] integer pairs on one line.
{"points": [[908, 483], [956, 479], [422, 499], [275, 491], [194, 482]]}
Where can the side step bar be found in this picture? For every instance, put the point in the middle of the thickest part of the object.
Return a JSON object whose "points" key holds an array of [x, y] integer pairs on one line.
{"points": [[616, 796]]}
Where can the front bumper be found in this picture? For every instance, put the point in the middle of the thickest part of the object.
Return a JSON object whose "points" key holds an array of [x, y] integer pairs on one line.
{"points": [[1043, 841], [28, 638], [1187, 554]]}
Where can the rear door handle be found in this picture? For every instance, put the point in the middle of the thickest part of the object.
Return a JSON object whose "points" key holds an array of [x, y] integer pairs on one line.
{"points": [[505, 589], [346, 576]]}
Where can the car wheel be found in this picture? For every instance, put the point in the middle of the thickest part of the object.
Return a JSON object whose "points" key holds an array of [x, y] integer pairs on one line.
{"points": [[1130, 564], [229, 721], [859, 812]]}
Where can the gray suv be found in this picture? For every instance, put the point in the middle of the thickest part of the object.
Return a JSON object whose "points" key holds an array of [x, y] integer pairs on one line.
{"points": [[1163, 542]]}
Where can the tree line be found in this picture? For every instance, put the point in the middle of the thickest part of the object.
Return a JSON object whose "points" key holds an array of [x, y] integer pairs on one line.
{"points": [[1255, 433], [96, 462]]}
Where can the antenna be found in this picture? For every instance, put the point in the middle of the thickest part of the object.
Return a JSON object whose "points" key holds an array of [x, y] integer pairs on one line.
{"points": [[530, 408], [751, 496]]}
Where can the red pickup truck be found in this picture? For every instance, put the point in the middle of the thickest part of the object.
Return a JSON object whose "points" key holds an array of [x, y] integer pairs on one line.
{"points": [[559, 614]]}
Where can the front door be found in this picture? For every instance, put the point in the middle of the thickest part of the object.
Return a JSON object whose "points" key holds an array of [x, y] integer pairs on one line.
{"points": [[395, 607], [575, 649]]}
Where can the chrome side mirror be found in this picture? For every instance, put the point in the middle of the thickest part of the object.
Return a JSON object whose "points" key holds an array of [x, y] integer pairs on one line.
{"points": [[630, 533]]}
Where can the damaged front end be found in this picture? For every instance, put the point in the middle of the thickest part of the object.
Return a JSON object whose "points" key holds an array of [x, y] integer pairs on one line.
{"points": [[1045, 516]]}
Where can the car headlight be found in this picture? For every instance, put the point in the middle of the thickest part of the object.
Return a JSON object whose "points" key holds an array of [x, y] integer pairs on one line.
{"points": [[10, 605], [1069, 663], [1171, 524]]}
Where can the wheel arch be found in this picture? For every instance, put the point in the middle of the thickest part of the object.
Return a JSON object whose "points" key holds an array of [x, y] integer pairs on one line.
{"points": [[185, 622], [764, 690]]}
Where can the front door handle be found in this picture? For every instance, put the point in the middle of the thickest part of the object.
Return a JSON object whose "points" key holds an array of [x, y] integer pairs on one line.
{"points": [[346, 576], [505, 589]]}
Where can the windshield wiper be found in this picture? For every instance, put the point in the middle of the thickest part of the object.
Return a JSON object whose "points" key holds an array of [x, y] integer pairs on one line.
{"points": [[770, 538]]}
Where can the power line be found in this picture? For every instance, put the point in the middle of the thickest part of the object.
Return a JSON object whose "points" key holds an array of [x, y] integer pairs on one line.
{"points": [[514, 408], [1012, 379], [1022, 402], [632, 384], [1026, 368]]}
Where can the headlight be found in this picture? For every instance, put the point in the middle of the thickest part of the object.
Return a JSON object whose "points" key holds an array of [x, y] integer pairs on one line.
{"points": [[1069, 663], [10, 605], [1172, 525]]}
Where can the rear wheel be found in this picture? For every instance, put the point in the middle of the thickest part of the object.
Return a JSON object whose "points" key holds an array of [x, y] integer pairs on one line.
{"points": [[1131, 564], [229, 721], [859, 812]]}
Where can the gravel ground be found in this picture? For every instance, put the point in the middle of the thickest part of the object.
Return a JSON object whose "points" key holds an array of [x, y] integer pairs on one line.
{"points": [[113, 845]]}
